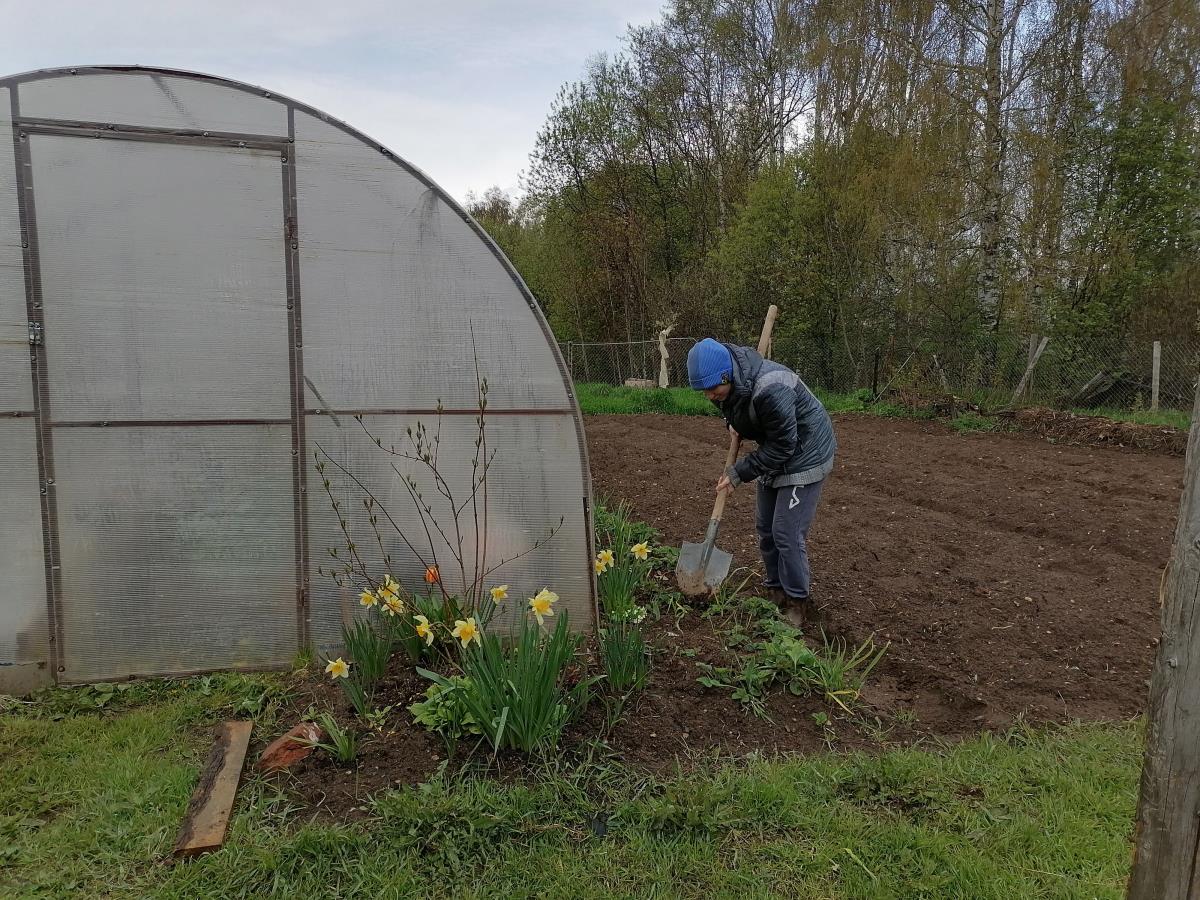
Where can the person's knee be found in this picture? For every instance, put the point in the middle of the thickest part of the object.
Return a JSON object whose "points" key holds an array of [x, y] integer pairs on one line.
{"points": [[785, 538]]}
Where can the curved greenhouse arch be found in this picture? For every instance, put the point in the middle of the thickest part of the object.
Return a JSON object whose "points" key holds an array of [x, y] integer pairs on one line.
{"points": [[203, 284]]}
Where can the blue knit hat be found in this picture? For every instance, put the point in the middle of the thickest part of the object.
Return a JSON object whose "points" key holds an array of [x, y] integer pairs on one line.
{"points": [[709, 364]]}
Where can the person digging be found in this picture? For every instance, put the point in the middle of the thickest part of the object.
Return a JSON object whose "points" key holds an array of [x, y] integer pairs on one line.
{"points": [[767, 403]]}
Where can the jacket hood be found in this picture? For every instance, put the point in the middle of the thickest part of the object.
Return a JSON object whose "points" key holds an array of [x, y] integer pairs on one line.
{"points": [[747, 363]]}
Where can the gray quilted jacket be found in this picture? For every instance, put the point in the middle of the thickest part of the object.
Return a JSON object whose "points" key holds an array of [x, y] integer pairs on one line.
{"points": [[771, 406]]}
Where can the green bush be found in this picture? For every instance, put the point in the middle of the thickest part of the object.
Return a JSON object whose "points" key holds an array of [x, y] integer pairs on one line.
{"points": [[517, 693], [444, 709]]}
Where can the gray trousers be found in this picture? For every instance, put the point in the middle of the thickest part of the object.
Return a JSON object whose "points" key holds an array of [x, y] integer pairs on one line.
{"points": [[783, 518]]}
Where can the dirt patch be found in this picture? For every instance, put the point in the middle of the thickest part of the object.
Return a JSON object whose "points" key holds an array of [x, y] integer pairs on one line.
{"points": [[399, 753], [673, 721], [1011, 576], [1094, 431]]}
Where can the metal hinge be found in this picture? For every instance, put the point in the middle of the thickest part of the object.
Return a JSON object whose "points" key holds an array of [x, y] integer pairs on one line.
{"points": [[35, 334]]}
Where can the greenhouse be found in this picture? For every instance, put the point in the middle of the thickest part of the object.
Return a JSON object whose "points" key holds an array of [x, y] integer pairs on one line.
{"points": [[206, 289]]}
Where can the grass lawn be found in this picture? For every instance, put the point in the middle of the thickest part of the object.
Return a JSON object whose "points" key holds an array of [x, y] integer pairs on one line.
{"points": [[91, 798], [599, 399]]}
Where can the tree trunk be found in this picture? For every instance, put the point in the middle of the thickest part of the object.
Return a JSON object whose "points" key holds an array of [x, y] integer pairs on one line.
{"points": [[991, 231]]}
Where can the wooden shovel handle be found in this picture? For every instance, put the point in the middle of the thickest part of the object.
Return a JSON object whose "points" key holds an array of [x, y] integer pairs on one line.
{"points": [[735, 444], [764, 339], [735, 440]]}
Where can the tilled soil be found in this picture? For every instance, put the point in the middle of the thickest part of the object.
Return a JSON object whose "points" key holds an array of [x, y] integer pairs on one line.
{"points": [[1011, 575]]}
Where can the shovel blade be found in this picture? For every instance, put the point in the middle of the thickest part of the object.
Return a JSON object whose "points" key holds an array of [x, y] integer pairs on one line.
{"points": [[697, 576]]}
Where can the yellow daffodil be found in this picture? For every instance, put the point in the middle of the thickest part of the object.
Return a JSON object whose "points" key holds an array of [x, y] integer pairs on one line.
{"points": [[605, 558], [425, 630], [389, 589], [368, 598], [641, 551], [601, 568], [541, 605], [466, 630], [392, 605], [499, 592], [338, 668]]}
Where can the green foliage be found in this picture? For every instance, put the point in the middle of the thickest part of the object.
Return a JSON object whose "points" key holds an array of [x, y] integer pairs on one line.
{"points": [[517, 693], [444, 709], [776, 655], [369, 648], [340, 743], [620, 584], [625, 657], [969, 422], [840, 671], [673, 183]]}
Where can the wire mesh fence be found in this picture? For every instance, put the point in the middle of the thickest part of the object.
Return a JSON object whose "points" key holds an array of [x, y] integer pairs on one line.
{"points": [[629, 361], [992, 370]]}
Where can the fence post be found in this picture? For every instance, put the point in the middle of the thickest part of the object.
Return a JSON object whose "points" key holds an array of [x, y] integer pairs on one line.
{"points": [[1168, 828], [1154, 375]]}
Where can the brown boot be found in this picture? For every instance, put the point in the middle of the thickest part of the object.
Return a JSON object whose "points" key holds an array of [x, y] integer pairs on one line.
{"points": [[795, 611]]}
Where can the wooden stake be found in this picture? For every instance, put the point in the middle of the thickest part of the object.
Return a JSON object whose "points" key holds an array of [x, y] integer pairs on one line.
{"points": [[207, 816], [1165, 864], [1154, 375], [664, 378], [941, 376], [1033, 361]]}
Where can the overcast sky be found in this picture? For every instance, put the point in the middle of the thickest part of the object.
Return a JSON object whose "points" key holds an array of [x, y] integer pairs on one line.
{"points": [[459, 88]]}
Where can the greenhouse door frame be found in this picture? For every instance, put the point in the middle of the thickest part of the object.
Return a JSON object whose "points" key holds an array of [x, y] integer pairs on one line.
{"points": [[22, 129]]}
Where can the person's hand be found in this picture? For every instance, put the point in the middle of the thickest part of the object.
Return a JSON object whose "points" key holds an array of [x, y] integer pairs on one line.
{"points": [[724, 485]]}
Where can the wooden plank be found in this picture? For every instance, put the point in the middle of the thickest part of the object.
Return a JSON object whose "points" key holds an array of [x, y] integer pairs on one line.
{"points": [[1168, 829], [1082, 393], [1033, 361], [208, 813], [1154, 375]]}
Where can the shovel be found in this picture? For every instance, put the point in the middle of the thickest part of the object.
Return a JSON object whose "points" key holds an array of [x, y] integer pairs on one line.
{"points": [[702, 567]]}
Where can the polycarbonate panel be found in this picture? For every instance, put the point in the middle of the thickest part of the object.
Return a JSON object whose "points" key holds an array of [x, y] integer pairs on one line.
{"points": [[395, 284], [164, 281], [146, 98], [16, 388], [535, 479], [23, 617], [178, 549]]}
